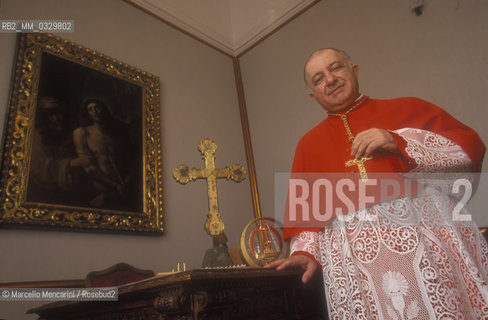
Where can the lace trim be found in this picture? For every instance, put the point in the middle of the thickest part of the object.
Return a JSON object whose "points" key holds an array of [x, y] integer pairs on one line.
{"points": [[306, 241], [433, 152], [383, 269]]}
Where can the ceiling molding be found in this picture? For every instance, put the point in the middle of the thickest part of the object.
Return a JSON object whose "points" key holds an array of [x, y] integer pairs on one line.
{"points": [[231, 26]]}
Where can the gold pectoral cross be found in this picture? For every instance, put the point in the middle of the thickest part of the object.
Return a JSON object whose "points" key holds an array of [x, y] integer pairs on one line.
{"points": [[183, 174], [360, 163]]}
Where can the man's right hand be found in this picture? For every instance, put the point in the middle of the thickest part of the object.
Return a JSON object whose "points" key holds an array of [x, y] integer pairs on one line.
{"points": [[302, 261]]}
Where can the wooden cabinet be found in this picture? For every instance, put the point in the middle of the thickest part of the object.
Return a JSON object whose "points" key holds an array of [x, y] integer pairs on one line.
{"points": [[245, 293]]}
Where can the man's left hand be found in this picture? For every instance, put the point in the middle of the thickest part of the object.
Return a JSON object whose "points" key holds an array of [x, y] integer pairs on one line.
{"points": [[371, 140], [307, 264]]}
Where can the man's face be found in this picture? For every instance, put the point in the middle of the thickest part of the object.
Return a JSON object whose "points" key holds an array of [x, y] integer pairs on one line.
{"points": [[333, 82]]}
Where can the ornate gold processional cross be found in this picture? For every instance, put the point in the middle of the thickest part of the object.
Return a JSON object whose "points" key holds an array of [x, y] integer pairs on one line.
{"points": [[183, 174], [360, 163]]}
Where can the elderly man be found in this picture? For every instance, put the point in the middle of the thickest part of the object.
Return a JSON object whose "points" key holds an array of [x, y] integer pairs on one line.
{"points": [[379, 268]]}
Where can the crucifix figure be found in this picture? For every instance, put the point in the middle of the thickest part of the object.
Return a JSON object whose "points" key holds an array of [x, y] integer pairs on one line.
{"points": [[183, 174], [360, 163]]}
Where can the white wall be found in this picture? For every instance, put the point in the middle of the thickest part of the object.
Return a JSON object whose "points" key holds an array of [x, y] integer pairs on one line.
{"points": [[198, 100], [440, 56]]}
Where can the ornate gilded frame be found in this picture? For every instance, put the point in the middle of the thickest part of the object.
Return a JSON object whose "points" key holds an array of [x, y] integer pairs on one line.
{"points": [[15, 207]]}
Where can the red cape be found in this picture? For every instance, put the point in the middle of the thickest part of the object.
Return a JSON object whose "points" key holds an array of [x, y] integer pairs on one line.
{"points": [[326, 148]]}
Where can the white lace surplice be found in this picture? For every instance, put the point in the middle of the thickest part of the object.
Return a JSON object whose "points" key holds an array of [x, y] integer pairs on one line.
{"points": [[386, 268]]}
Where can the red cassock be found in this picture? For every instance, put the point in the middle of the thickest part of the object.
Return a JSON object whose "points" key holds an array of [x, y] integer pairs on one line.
{"points": [[326, 148]]}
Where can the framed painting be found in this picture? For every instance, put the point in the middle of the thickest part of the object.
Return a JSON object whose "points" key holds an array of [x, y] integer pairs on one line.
{"points": [[81, 145]]}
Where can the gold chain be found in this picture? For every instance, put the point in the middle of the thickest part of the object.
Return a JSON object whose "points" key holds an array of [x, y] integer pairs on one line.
{"points": [[343, 116], [350, 136], [358, 162]]}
